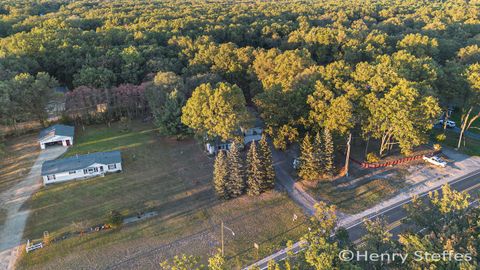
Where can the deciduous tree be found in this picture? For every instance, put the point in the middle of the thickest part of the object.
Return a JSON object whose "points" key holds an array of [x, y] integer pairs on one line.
{"points": [[216, 111]]}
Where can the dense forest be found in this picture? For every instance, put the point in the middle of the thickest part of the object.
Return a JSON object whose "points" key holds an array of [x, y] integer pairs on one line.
{"points": [[381, 69]]}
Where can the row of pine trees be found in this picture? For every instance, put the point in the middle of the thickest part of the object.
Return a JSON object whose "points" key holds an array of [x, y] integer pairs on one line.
{"points": [[317, 156], [233, 175]]}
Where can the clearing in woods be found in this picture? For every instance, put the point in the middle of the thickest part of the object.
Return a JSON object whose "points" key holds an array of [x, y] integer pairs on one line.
{"points": [[160, 174]]}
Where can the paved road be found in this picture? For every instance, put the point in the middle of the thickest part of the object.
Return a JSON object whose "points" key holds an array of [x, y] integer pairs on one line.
{"points": [[299, 196], [396, 213], [393, 215], [12, 200], [282, 164]]}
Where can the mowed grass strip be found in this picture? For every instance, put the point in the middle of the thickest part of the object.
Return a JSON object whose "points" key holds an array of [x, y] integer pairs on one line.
{"points": [[20, 154], [160, 174], [359, 198]]}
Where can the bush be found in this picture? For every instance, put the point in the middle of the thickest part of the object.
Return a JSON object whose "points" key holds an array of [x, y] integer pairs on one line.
{"points": [[114, 218], [441, 137], [372, 158], [437, 147]]}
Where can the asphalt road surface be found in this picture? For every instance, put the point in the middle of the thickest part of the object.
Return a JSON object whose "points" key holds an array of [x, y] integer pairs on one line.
{"points": [[395, 214]]}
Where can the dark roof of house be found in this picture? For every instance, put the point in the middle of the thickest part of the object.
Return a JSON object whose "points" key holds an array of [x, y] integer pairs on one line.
{"points": [[80, 162], [58, 129]]}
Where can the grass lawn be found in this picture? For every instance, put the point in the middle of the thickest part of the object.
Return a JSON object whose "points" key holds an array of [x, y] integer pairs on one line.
{"points": [[163, 175], [362, 197], [21, 153], [471, 147], [457, 117]]}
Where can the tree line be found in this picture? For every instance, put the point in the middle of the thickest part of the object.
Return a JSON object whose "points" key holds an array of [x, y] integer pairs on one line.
{"points": [[382, 70]]}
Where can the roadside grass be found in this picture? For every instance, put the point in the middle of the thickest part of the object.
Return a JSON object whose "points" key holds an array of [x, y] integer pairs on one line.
{"points": [[471, 146], [20, 154], [360, 198], [3, 216], [160, 174], [457, 117]]}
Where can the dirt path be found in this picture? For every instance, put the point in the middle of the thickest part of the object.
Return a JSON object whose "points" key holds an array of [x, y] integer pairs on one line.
{"points": [[282, 165], [12, 200]]}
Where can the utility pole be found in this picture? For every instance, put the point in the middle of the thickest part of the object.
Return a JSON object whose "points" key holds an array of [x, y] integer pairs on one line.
{"points": [[347, 161], [223, 250], [222, 237]]}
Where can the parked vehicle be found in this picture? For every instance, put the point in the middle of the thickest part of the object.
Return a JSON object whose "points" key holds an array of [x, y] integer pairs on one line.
{"points": [[296, 163], [435, 160], [449, 124]]}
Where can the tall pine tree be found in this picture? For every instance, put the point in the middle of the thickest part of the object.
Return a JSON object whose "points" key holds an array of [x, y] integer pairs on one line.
{"points": [[236, 181], [255, 171], [267, 163], [319, 153], [309, 169], [328, 161], [220, 175]]}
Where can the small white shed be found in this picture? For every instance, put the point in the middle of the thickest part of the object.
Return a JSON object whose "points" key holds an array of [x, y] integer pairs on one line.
{"points": [[56, 135]]}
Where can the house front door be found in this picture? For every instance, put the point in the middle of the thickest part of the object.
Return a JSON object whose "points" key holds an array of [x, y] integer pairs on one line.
{"points": [[68, 142]]}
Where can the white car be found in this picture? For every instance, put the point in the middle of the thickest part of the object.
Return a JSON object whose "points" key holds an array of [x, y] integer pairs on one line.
{"points": [[435, 160], [296, 163], [449, 124]]}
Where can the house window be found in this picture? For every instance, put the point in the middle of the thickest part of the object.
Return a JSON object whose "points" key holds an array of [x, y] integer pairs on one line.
{"points": [[112, 166], [51, 177], [90, 170], [72, 172], [101, 168]]}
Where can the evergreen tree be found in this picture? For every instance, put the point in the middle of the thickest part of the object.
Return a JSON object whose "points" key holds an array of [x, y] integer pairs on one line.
{"points": [[267, 163], [327, 161], [236, 182], [220, 175], [319, 153], [255, 171], [308, 164]]}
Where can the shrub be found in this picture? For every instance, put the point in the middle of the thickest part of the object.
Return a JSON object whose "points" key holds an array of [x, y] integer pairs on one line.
{"points": [[114, 218], [372, 158], [437, 147], [441, 137]]}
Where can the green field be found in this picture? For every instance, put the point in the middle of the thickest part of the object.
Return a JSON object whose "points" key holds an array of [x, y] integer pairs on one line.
{"points": [[160, 174]]}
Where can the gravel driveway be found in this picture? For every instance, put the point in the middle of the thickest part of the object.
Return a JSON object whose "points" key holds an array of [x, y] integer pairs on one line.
{"points": [[12, 200]]}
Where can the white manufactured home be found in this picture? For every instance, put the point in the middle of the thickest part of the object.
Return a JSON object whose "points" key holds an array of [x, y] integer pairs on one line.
{"points": [[249, 135], [81, 167], [56, 135]]}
